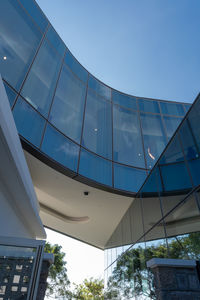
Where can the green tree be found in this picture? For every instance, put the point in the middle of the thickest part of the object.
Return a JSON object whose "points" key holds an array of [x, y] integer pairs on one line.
{"points": [[131, 278], [58, 282], [91, 289]]}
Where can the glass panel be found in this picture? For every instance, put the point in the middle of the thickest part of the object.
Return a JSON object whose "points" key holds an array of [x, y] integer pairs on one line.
{"points": [[193, 120], [99, 88], [41, 81], [153, 183], [19, 40], [129, 179], [97, 134], [154, 138], [60, 148], [36, 13], [171, 124], [95, 168], [28, 122], [173, 153], [67, 109], [10, 93], [172, 109], [124, 100], [187, 107], [148, 106], [127, 137], [76, 67], [175, 177], [55, 40]]}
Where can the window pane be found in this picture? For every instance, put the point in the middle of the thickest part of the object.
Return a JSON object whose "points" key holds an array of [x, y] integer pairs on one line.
{"points": [[95, 168], [99, 88], [173, 153], [76, 67], [172, 109], [171, 124], [55, 40], [67, 110], [60, 148], [124, 100], [187, 106], [148, 105], [28, 122], [10, 93], [128, 179], [154, 138], [97, 126], [19, 40], [36, 13], [40, 84], [127, 137], [175, 177]]}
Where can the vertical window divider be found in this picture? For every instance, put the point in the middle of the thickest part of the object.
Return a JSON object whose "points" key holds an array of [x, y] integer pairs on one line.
{"points": [[53, 97], [141, 134], [83, 121]]}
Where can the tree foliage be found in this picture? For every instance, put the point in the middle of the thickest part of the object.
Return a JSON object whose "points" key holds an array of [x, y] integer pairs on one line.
{"points": [[91, 289], [58, 282], [131, 278]]}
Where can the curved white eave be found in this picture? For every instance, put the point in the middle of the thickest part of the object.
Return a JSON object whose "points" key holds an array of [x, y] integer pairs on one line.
{"points": [[14, 173]]}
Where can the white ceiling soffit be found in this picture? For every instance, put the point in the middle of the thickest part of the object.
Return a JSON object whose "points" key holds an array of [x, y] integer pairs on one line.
{"points": [[65, 208]]}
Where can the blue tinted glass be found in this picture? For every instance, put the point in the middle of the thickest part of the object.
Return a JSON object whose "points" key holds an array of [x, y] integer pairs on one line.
{"points": [[148, 105], [10, 93], [194, 166], [55, 40], [60, 148], [154, 138], [36, 13], [19, 39], [28, 122], [127, 141], [99, 88], [97, 134], [187, 107], [171, 124], [173, 153], [124, 100], [188, 142], [41, 81], [76, 67], [128, 179], [95, 168], [172, 109], [67, 110], [193, 119], [153, 183], [175, 177]]}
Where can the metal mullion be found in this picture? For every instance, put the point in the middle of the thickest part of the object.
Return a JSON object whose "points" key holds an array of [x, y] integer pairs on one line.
{"points": [[83, 123], [47, 119], [30, 66], [142, 138], [163, 123]]}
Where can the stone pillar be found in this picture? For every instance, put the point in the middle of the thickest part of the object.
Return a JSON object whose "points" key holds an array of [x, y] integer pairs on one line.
{"points": [[46, 263], [175, 279]]}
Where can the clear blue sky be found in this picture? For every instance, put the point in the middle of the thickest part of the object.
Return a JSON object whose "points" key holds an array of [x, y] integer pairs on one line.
{"points": [[143, 47]]}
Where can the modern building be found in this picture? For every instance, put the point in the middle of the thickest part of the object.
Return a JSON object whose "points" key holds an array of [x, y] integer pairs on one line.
{"points": [[108, 168]]}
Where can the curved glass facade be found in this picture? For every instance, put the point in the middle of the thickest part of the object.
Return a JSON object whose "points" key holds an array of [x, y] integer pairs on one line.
{"points": [[71, 117]]}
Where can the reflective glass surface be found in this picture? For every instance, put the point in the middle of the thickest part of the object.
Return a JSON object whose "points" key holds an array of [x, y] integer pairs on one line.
{"points": [[154, 137], [124, 100], [175, 109], [67, 109], [10, 93], [33, 9], [40, 84], [95, 168], [171, 124], [99, 88], [97, 134], [60, 148], [128, 179], [148, 105], [76, 68], [28, 122], [127, 141], [55, 40], [18, 42]]}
